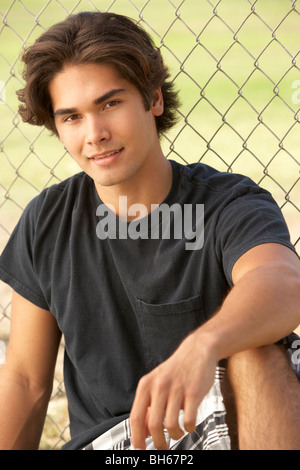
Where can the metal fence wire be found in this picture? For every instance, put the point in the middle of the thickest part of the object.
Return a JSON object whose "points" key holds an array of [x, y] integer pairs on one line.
{"points": [[237, 66]]}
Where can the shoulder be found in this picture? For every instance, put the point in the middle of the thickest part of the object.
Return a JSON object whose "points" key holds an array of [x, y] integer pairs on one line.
{"points": [[200, 175], [60, 196]]}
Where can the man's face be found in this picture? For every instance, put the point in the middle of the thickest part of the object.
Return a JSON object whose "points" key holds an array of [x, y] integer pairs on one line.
{"points": [[101, 120]]}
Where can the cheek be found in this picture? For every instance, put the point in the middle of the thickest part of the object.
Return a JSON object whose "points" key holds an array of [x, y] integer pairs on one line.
{"points": [[135, 124], [71, 141]]}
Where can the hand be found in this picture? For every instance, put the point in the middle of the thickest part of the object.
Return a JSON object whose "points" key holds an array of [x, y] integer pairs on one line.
{"points": [[181, 382]]}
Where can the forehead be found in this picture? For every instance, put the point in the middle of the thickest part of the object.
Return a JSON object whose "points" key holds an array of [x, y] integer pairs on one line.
{"points": [[82, 83]]}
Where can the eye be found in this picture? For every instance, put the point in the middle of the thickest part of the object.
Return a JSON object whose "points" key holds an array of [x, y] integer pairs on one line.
{"points": [[111, 104], [72, 118]]}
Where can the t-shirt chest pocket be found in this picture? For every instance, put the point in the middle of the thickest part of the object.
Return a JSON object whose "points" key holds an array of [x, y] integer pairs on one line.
{"points": [[164, 326]]}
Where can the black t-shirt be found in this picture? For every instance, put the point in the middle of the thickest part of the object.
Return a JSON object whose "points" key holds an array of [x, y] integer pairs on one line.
{"points": [[125, 303]]}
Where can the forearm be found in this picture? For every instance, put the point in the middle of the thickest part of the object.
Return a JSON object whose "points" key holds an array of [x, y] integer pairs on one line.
{"points": [[22, 412], [262, 307]]}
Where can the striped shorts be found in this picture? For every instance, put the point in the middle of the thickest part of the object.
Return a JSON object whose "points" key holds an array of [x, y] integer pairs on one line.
{"points": [[211, 431]]}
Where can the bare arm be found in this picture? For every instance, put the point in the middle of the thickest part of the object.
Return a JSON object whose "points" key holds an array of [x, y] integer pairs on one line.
{"points": [[26, 378], [262, 307]]}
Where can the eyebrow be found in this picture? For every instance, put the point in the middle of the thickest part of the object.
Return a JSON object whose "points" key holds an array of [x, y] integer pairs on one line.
{"points": [[97, 101]]}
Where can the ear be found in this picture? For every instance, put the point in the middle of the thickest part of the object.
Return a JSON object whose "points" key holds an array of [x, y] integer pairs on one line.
{"points": [[157, 103]]}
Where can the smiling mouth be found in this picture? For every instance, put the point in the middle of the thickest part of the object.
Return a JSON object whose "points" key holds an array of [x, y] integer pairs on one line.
{"points": [[110, 154]]}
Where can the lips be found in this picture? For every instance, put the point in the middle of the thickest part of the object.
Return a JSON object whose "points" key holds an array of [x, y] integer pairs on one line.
{"points": [[106, 158], [102, 155]]}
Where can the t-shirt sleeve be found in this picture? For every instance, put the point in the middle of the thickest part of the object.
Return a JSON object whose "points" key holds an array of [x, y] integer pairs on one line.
{"points": [[248, 221], [17, 262]]}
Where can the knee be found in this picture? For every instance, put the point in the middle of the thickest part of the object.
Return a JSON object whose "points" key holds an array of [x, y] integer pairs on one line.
{"points": [[265, 357], [250, 371], [262, 393]]}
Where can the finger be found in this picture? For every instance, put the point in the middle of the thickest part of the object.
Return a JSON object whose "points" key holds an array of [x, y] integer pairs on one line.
{"points": [[156, 415], [175, 404], [138, 432], [138, 418], [191, 404]]}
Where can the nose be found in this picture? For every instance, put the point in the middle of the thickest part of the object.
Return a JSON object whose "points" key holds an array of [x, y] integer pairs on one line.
{"points": [[96, 130]]}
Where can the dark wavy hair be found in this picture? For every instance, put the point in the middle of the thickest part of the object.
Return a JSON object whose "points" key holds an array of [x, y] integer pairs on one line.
{"points": [[100, 38]]}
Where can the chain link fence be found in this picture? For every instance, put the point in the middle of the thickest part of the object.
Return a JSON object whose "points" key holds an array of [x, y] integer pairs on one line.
{"points": [[237, 64]]}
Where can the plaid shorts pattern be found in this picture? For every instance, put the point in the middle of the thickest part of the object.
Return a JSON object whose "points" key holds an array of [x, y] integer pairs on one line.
{"points": [[211, 431]]}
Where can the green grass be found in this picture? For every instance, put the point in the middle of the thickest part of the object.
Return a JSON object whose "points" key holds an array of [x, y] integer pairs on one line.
{"points": [[229, 62]]}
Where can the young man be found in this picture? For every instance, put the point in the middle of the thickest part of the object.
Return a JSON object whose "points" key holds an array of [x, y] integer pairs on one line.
{"points": [[109, 258]]}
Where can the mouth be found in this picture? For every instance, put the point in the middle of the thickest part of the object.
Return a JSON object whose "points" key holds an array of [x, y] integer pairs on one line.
{"points": [[102, 156], [106, 158]]}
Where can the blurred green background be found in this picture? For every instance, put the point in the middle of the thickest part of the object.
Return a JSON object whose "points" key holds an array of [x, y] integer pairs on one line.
{"points": [[235, 62]]}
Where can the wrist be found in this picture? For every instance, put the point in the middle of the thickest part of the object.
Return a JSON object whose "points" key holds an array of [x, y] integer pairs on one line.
{"points": [[219, 338], [206, 339]]}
